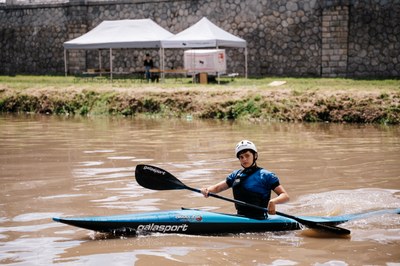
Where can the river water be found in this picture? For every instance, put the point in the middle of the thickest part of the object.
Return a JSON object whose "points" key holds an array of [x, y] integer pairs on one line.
{"points": [[60, 166]]}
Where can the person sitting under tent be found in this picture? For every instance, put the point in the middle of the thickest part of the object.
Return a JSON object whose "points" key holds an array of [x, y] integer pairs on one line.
{"points": [[148, 65]]}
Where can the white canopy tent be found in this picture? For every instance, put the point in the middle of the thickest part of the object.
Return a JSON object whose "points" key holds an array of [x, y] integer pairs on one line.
{"points": [[205, 34], [114, 34]]}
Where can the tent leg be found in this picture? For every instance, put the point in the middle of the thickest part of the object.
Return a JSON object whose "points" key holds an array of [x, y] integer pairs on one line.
{"points": [[162, 65], [65, 63], [100, 62], [245, 61], [111, 66]]}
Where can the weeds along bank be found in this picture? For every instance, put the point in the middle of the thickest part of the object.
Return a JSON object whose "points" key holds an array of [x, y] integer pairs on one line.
{"points": [[209, 102]]}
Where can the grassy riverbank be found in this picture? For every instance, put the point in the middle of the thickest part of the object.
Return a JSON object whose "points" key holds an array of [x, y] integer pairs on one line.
{"points": [[294, 99]]}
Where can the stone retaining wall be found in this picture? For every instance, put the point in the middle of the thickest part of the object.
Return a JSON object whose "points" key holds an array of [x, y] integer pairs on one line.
{"points": [[328, 38]]}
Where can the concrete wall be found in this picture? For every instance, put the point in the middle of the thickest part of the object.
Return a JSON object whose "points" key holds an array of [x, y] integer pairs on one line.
{"points": [[328, 38]]}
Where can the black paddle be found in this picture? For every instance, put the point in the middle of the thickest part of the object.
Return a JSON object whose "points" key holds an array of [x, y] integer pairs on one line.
{"points": [[156, 178]]}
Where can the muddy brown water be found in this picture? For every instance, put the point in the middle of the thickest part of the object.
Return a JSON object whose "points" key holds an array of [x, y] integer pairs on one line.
{"points": [[58, 166]]}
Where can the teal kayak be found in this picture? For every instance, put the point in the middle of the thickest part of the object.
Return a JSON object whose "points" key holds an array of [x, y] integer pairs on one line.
{"points": [[199, 222]]}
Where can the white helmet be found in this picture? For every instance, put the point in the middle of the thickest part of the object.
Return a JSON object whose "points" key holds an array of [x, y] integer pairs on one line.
{"points": [[245, 145]]}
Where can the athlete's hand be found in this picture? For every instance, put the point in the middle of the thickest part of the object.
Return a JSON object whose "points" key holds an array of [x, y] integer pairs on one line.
{"points": [[271, 207], [205, 192]]}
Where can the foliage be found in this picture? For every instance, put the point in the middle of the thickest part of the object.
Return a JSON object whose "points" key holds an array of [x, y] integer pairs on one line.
{"points": [[299, 99]]}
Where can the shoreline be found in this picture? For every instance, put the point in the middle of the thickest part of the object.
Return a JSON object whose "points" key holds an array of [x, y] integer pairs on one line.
{"points": [[282, 103]]}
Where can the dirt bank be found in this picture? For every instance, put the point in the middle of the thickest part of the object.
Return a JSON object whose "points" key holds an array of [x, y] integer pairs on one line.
{"points": [[211, 102]]}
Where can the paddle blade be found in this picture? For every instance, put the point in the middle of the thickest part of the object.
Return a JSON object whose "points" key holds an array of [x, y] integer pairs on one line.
{"points": [[156, 178], [330, 229], [318, 226]]}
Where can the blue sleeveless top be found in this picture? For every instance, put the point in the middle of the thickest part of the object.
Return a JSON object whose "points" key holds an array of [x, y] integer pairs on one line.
{"points": [[261, 181], [253, 186]]}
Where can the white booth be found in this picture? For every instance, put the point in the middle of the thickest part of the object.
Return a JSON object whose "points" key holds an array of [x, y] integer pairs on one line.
{"points": [[210, 61]]}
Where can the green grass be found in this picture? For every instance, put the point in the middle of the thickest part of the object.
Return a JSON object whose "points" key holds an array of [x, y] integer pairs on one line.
{"points": [[296, 84], [298, 99]]}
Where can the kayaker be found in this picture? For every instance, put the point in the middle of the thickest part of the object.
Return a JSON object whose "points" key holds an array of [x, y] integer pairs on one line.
{"points": [[251, 184]]}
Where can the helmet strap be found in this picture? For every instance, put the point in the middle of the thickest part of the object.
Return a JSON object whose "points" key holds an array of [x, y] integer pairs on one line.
{"points": [[254, 159]]}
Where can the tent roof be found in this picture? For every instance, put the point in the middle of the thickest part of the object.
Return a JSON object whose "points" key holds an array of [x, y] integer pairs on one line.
{"points": [[139, 33], [203, 34]]}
